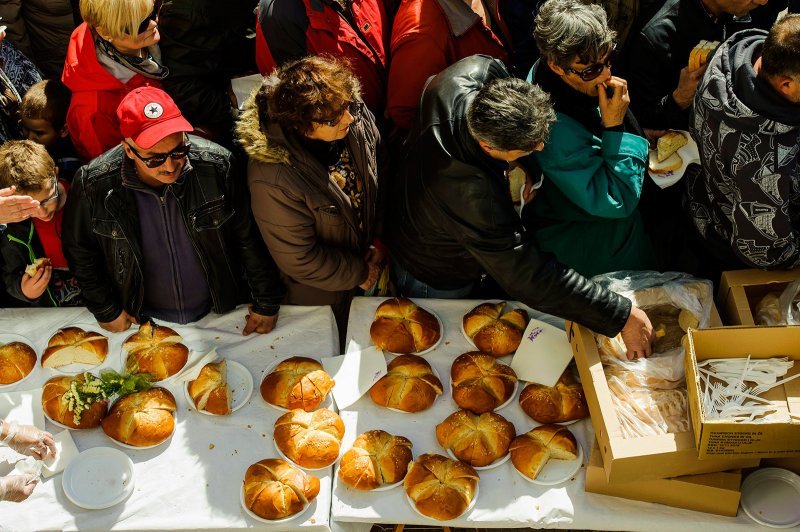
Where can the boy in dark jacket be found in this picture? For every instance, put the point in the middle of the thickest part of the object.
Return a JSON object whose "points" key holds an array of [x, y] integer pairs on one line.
{"points": [[28, 278], [43, 117]]}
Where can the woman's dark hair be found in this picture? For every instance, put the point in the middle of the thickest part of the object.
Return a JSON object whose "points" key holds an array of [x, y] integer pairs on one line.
{"points": [[305, 91]]}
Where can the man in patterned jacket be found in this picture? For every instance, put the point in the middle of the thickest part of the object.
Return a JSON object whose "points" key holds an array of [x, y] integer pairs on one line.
{"points": [[745, 204]]}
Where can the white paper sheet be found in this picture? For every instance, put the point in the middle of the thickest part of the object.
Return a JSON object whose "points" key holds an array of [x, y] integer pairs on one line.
{"points": [[354, 374], [543, 354], [66, 451]]}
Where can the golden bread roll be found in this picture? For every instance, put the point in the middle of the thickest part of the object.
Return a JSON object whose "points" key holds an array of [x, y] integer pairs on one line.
{"points": [[57, 407], [377, 458], [400, 326], [72, 345], [493, 332], [481, 383], [275, 489], [532, 450], [563, 402], [310, 439], [409, 385], [210, 391], [142, 419], [669, 143], [297, 382], [439, 487], [155, 350], [36, 265], [17, 360], [475, 439]]}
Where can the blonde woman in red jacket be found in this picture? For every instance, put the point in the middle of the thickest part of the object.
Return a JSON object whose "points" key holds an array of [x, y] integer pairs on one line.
{"points": [[113, 52]]}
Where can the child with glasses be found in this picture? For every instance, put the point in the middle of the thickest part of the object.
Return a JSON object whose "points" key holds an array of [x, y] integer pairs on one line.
{"points": [[35, 270]]}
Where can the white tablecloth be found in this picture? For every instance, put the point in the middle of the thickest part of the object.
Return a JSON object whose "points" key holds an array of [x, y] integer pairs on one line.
{"points": [[505, 499], [193, 482]]}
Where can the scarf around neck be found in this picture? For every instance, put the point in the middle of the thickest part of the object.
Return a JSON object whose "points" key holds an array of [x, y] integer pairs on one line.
{"points": [[149, 66]]}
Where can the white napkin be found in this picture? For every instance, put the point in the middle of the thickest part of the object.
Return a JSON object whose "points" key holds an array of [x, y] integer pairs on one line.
{"points": [[543, 354], [66, 451], [25, 408], [194, 365], [354, 374]]}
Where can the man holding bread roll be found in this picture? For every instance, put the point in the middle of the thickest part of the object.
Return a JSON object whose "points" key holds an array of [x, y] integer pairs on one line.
{"points": [[452, 221], [746, 120], [660, 69], [160, 226]]}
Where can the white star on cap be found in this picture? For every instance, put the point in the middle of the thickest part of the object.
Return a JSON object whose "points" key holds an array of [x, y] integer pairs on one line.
{"points": [[153, 110]]}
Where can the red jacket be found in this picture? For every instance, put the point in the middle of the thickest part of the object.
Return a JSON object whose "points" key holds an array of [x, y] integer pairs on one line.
{"points": [[430, 35], [291, 29], [92, 116]]}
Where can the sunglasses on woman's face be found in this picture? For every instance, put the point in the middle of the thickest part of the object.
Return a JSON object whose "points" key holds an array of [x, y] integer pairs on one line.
{"points": [[354, 108], [595, 69], [152, 16]]}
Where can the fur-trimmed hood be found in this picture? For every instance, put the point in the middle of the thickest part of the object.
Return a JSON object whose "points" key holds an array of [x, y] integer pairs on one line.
{"points": [[261, 146]]}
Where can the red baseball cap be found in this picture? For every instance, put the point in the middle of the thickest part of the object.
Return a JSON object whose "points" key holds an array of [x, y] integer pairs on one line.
{"points": [[147, 115]]}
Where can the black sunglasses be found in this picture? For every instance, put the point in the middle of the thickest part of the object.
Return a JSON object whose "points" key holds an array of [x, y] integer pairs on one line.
{"points": [[152, 16], [181, 152], [594, 70], [354, 108]]}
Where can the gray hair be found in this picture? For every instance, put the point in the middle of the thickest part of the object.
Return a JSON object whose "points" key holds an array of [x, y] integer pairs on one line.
{"points": [[565, 29], [511, 114]]}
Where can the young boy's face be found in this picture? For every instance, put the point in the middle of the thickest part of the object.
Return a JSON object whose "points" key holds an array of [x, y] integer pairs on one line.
{"points": [[41, 131], [50, 200]]}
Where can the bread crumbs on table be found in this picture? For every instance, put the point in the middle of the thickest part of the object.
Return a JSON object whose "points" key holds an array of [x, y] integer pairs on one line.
{"points": [[249, 426], [263, 435], [210, 446]]}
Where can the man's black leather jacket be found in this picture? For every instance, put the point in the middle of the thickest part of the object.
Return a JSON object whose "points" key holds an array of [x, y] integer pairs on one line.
{"points": [[104, 248]]}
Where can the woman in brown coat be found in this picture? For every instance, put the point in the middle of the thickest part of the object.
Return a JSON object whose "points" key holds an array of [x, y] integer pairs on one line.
{"points": [[313, 177]]}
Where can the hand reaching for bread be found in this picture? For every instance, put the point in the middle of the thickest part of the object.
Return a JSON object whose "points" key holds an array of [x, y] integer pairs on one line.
{"points": [[613, 108], [638, 334], [119, 324]]}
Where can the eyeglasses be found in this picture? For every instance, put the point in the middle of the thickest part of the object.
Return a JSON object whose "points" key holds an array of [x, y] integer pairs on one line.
{"points": [[152, 16], [594, 70], [54, 195], [354, 108], [181, 152]]}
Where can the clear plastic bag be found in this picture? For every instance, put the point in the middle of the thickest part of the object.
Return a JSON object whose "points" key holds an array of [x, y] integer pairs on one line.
{"points": [[780, 308], [768, 310], [650, 394]]}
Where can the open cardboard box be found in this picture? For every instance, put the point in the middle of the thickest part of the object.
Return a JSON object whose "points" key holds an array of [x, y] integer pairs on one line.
{"points": [[741, 290], [718, 438], [651, 457], [714, 493]]}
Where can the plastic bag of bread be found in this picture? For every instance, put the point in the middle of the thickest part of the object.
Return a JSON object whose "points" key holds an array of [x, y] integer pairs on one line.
{"points": [[660, 372], [643, 412], [780, 308], [673, 301]]}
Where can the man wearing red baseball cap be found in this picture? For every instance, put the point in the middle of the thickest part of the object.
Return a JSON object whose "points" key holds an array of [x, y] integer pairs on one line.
{"points": [[160, 227]]}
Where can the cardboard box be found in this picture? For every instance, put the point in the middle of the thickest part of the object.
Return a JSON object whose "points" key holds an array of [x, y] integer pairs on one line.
{"points": [[718, 438], [741, 290], [792, 464], [714, 493], [651, 457]]}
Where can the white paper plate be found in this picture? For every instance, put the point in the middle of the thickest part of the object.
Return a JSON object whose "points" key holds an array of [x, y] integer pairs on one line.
{"points": [[689, 154], [98, 478], [280, 453], [326, 403], [556, 471], [7, 338], [500, 461], [304, 511], [240, 382], [502, 406], [75, 369], [468, 510], [431, 348], [435, 372], [771, 497]]}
